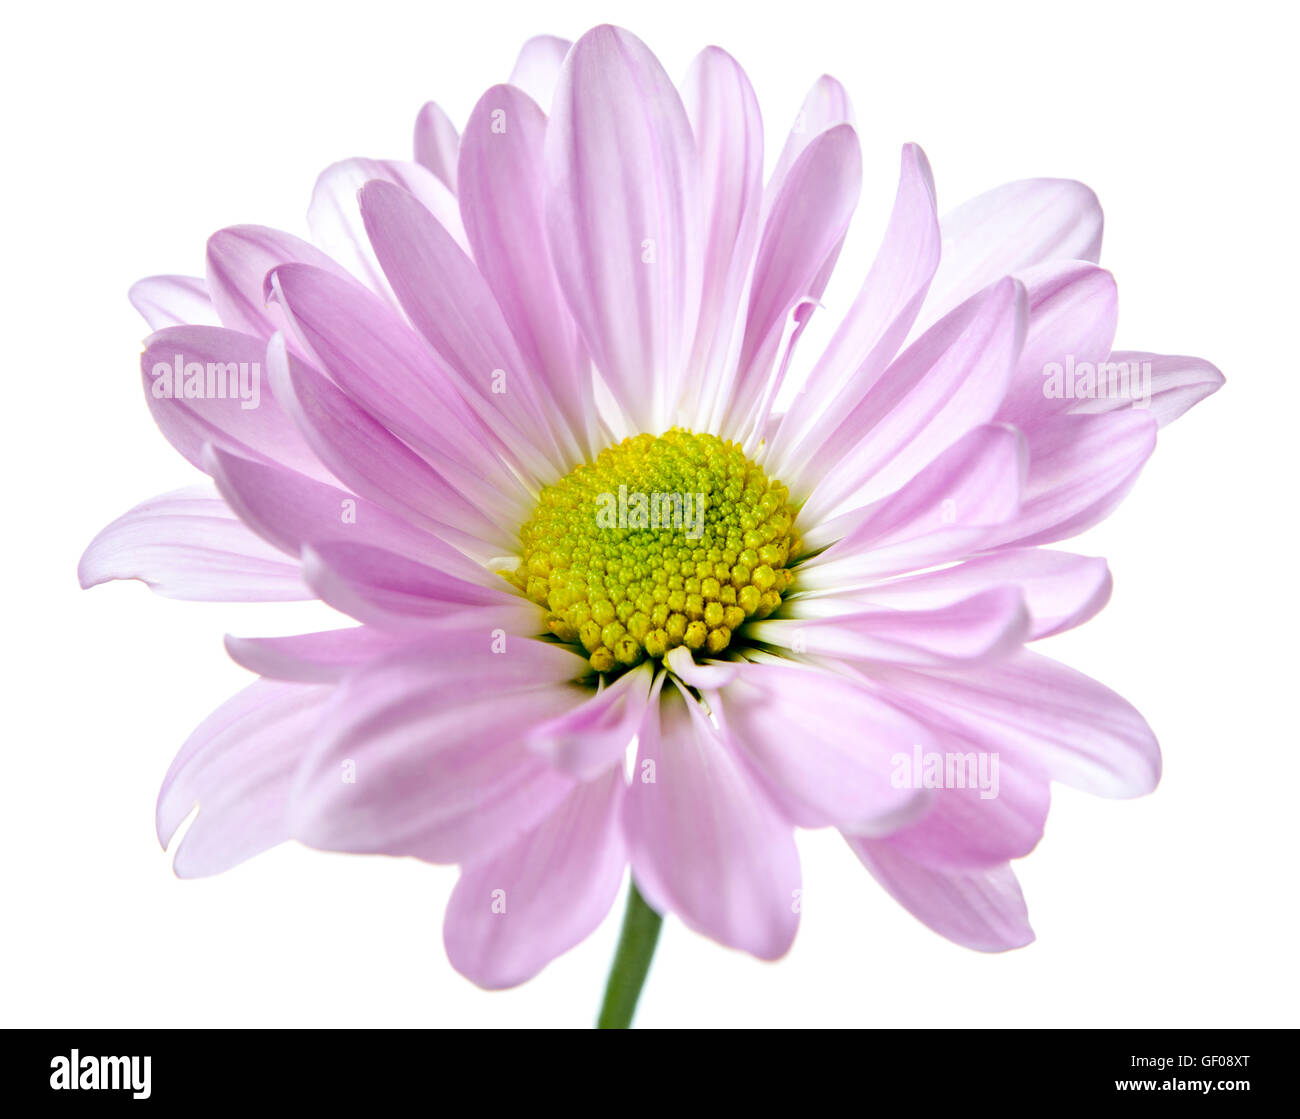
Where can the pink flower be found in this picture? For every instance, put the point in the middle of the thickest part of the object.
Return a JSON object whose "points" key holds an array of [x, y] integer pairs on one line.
{"points": [[595, 273]]}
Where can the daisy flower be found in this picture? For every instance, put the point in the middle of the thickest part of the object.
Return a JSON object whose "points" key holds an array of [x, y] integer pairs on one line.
{"points": [[519, 421]]}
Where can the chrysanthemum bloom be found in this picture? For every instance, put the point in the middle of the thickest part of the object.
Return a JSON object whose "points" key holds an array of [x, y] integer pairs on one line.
{"points": [[518, 421]]}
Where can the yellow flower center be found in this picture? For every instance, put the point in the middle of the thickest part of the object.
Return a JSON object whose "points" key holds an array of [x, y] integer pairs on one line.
{"points": [[662, 541]]}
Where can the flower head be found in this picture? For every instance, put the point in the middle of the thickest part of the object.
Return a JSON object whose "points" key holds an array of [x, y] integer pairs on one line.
{"points": [[523, 421]]}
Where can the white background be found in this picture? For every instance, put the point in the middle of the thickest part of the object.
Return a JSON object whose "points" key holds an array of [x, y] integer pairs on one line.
{"points": [[132, 131]]}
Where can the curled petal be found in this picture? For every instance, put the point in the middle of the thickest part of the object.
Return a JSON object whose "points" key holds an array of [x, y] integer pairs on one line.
{"points": [[237, 767], [189, 544]]}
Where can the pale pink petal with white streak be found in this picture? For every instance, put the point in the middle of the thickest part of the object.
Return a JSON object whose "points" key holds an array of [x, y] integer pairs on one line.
{"points": [[826, 105], [396, 592], [1073, 308], [392, 373]]}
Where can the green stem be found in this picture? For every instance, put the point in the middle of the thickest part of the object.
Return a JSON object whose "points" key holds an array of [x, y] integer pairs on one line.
{"points": [[636, 947]]}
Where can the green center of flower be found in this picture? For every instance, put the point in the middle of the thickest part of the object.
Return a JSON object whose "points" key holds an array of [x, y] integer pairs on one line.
{"points": [[661, 541]]}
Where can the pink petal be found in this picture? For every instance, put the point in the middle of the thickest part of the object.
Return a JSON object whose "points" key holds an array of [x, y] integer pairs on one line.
{"points": [[876, 324], [514, 912], [501, 202], [239, 259], [237, 767], [980, 909], [371, 461], [624, 216], [728, 127], [188, 544], [951, 380], [984, 626], [433, 737], [393, 374], [1008, 230], [706, 676], [312, 658], [943, 514], [245, 419], [590, 739], [825, 106], [1076, 730], [449, 302], [391, 591], [800, 237], [537, 69], [975, 827], [173, 301], [1073, 307], [1060, 590], [823, 745], [437, 145], [704, 841], [1080, 469], [290, 510], [335, 220], [1176, 384]]}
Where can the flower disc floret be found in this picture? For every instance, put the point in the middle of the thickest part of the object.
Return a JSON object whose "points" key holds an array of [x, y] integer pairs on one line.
{"points": [[661, 541]]}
